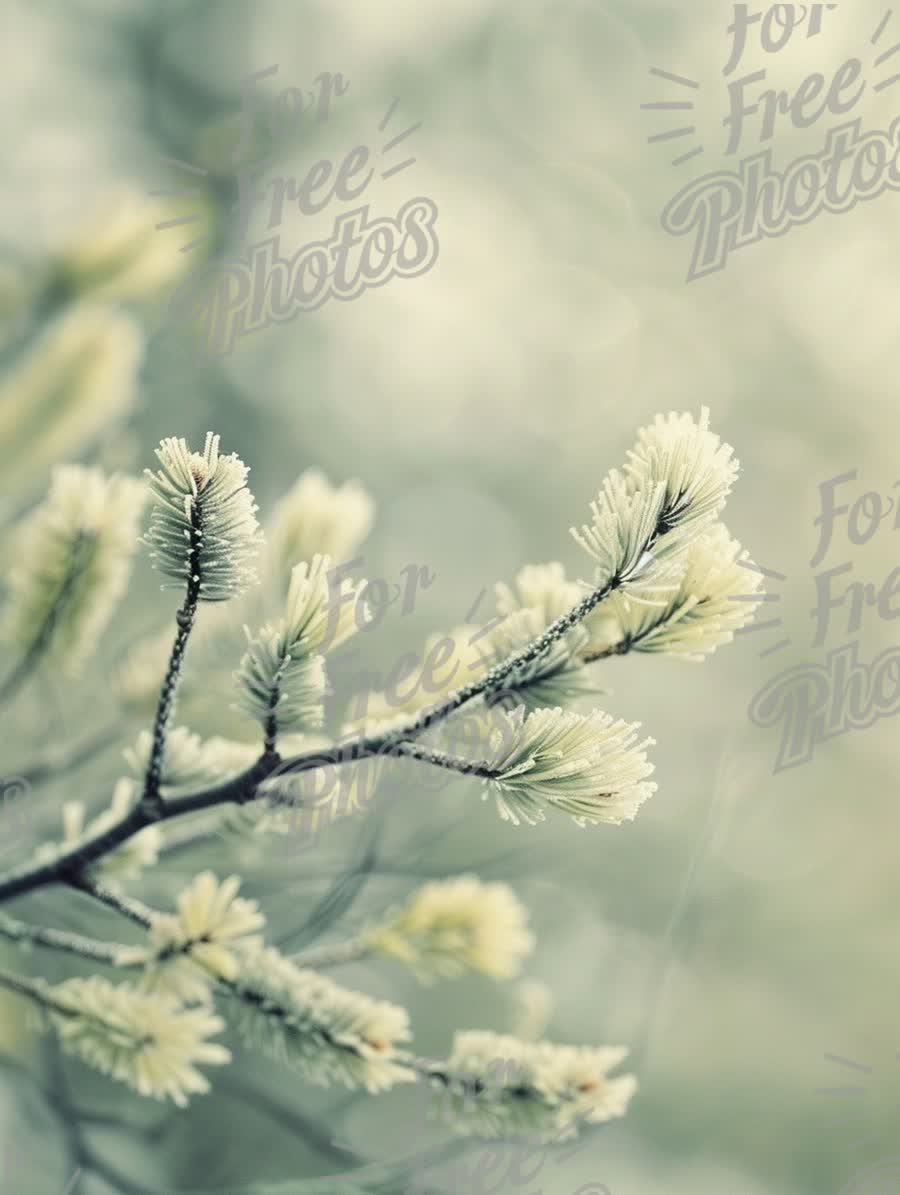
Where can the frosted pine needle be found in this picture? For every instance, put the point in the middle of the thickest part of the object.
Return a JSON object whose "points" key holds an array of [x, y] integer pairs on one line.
{"points": [[700, 614], [590, 767], [274, 685], [676, 481], [203, 530], [321, 612], [326, 1032], [697, 469]]}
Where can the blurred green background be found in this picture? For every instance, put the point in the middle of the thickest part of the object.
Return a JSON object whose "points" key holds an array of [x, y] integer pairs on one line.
{"points": [[744, 926]]}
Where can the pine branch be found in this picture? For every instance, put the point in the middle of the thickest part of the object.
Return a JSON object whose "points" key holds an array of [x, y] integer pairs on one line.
{"points": [[245, 786]]}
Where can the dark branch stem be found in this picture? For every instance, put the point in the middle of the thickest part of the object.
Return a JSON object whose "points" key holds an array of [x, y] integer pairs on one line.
{"points": [[151, 800], [165, 707]]}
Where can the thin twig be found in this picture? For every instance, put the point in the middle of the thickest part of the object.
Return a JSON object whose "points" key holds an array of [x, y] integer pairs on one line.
{"points": [[134, 910], [165, 707], [18, 931]]}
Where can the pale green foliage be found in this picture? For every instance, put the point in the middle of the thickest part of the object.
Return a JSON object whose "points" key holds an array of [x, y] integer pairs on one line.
{"points": [[72, 560], [78, 378], [118, 254], [203, 529], [667, 573], [450, 926], [316, 518]]}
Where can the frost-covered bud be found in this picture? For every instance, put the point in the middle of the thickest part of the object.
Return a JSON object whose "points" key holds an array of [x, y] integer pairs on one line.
{"points": [[203, 529], [201, 942], [71, 564], [449, 926], [143, 1040], [691, 462]]}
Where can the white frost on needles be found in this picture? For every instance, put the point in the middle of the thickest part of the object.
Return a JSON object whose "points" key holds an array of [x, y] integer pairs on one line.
{"points": [[146, 1041], [499, 1086], [588, 766], [676, 481], [203, 527], [324, 1031]]}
